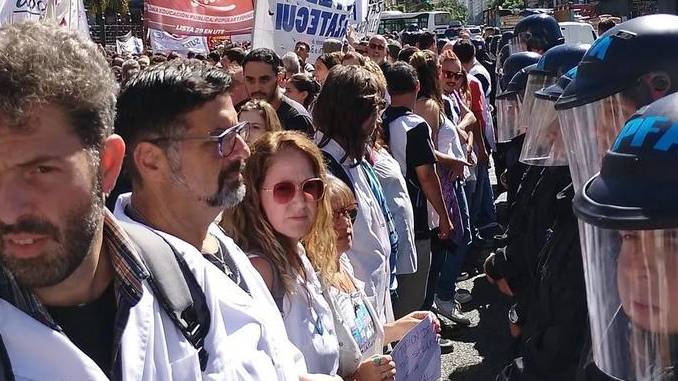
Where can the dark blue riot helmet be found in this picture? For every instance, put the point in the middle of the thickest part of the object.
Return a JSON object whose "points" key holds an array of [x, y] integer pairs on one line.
{"points": [[543, 142], [514, 63], [626, 68], [629, 228], [637, 187], [561, 58], [620, 57], [508, 105], [502, 51], [536, 33]]}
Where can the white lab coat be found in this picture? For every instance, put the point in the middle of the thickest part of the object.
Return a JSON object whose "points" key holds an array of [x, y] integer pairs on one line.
{"points": [[244, 342], [259, 291], [371, 249]]}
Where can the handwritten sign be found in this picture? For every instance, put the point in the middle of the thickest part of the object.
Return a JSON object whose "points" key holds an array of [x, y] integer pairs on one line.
{"points": [[417, 355]]}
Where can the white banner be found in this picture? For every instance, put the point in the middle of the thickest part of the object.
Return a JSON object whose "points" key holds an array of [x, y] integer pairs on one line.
{"points": [[280, 24], [165, 42], [127, 45], [367, 16], [67, 13]]}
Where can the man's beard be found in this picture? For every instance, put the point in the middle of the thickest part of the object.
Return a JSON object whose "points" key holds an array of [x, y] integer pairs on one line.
{"points": [[228, 194], [74, 243]]}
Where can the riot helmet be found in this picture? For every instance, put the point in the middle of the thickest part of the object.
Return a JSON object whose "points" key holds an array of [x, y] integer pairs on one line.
{"points": [[629, 229], [543, 143], [502, 51], [628, 67], [514, 63], [509, 104], [536, 33]]}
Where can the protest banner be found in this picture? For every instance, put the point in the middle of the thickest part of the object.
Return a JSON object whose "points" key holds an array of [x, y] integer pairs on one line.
{"points": [[367, 16], [164, 42], [67, 13], [128, 44], [417, 355], [200, 17], [280, 24]]}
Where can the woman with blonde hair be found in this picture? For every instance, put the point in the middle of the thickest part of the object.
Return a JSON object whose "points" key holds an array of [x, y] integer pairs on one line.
{"points": [[430, 106], [360, 333], [285, 225], [262, 119]]}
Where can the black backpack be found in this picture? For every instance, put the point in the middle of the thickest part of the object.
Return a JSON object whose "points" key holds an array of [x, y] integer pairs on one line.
{"points": [[173, 284]]}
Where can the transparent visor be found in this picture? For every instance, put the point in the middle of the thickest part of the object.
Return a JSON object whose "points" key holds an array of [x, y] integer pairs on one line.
{"points": [[543, 144], [589, 131], [518, 43], [631, 283], [508, 118], [535, 82]]}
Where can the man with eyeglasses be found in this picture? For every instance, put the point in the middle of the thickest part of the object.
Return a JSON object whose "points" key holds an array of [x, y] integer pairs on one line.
{"points": [[376, 49], [186, 154]]}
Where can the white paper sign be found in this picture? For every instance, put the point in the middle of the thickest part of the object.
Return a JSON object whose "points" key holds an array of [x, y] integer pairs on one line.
{"points": [[165, 42], [417, 355]]}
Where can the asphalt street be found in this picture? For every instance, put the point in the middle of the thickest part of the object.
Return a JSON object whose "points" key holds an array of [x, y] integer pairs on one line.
{"points": [[484, 348]]}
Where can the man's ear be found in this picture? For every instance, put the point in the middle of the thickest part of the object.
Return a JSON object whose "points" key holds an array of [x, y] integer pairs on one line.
{"points": [[112, 155], [149, 161]]}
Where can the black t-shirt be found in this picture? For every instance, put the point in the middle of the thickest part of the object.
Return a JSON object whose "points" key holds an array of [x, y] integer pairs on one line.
{"points": [[409, 140], [293, 116], [90, 327]]}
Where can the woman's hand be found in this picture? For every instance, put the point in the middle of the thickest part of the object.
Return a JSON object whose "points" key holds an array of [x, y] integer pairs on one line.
{"points": [[376, 368], [398, 329]]}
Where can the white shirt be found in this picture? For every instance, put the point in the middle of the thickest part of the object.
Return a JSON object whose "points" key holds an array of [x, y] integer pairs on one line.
{"points": [[344, 311], [308, 320], [258, 290], [243, 342], [371, 248], [400, 205]]}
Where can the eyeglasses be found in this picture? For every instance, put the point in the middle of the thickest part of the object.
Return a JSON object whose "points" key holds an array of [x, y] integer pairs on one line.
{"points": [[225, 140], [376, 47], [450, 74], [284, 191], [349, 212]]}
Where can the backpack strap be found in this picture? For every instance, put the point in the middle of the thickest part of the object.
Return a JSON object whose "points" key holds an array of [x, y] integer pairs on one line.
{"points": [[6, 373], [174, 285], [337, 170]]}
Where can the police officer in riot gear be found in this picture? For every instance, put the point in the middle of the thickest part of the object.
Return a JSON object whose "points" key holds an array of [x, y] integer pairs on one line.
{"points": [[627, 68], [631, 236], [536, 33]]}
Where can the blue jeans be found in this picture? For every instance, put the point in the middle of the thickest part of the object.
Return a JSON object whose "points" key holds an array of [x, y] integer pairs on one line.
{"points": [[482, 211], [447, 258]]}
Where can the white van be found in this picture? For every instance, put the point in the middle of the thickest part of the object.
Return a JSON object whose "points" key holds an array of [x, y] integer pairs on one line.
{"points": [[578, 32]]}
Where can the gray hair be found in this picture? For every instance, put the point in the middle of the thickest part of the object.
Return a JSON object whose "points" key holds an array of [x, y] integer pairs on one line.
{"points": [[42, 63], [291, 63], [332, 45]]}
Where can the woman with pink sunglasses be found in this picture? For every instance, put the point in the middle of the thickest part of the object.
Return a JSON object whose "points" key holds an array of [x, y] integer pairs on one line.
{"points": [[285, 225]]}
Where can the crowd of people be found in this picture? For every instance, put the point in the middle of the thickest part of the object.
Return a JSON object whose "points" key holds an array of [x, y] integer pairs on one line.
{"points": [[256, 216]]}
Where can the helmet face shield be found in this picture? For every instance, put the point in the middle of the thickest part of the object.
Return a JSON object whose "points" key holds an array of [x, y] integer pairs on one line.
{"points": [[589, 131], [508, 117], [535, 81], [518, 43], [631, 282], [543, 144]]}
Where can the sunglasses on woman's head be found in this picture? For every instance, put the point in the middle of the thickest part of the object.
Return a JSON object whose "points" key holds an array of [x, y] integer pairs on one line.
{"points": [[284, 191]]}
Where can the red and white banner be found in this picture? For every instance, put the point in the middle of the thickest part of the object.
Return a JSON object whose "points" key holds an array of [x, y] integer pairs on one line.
{"points": [[200, 17]]}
